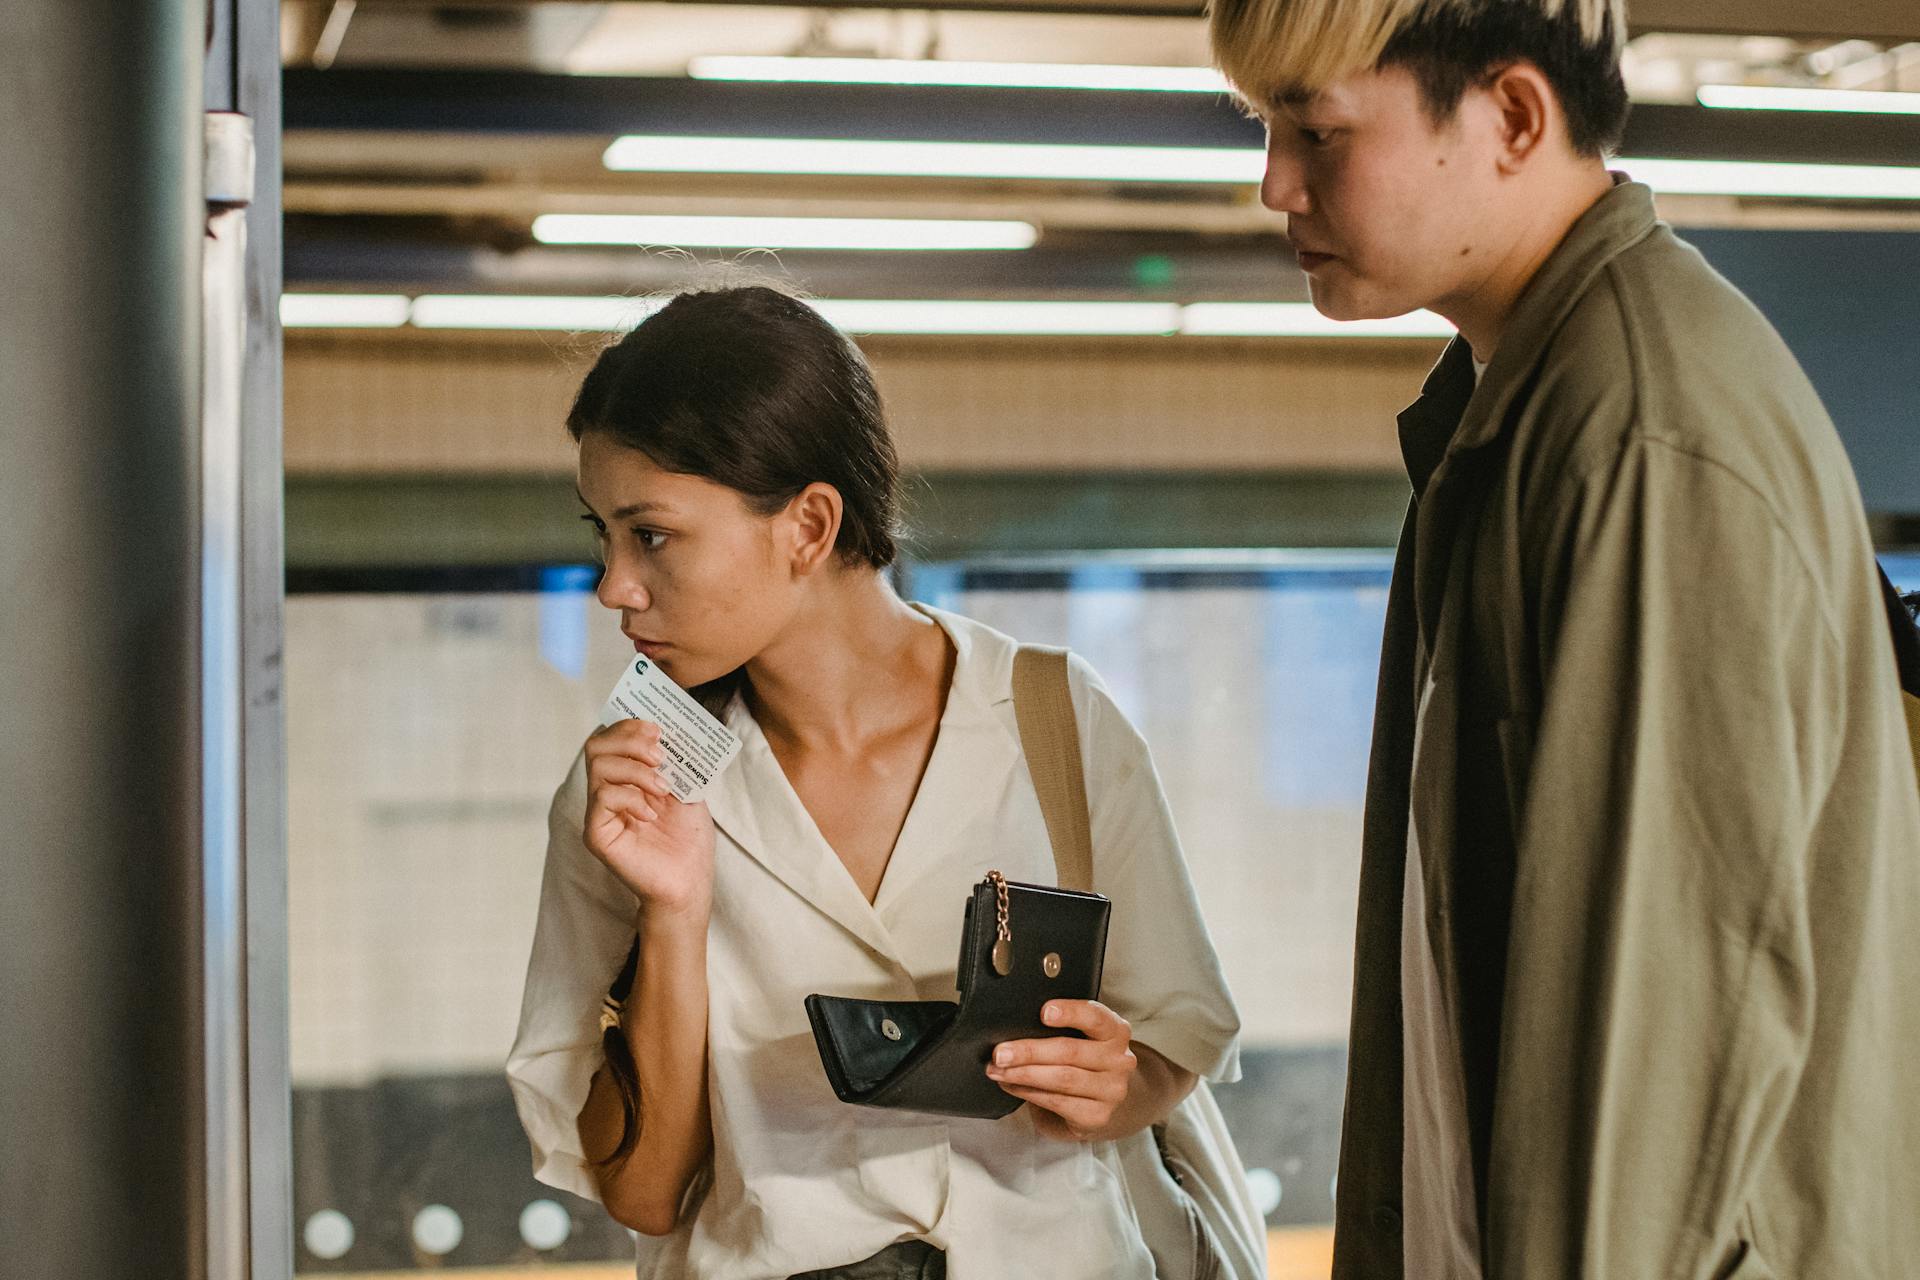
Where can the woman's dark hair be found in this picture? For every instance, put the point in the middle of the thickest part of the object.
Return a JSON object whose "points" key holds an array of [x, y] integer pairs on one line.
{"points": [[626, 1074], [1450, 49], [751, 388]]}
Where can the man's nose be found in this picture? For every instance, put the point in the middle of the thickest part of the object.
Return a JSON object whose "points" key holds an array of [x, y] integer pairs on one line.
{"points": [[1283, 188]]}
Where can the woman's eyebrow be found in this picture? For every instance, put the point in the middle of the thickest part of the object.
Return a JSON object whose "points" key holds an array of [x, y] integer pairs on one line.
{"points": [[638, 509], [624, 513]]}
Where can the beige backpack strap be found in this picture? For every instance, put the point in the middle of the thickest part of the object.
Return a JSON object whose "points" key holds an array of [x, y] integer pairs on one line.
{"points": [[1043, 704], [1913, 725]]}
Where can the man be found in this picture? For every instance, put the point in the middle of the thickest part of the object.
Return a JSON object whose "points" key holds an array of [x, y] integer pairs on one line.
{"points": [[1638, 972]]}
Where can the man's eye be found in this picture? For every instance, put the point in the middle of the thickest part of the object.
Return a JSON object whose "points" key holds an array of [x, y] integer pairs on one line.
{"points": [[1316, 137]]}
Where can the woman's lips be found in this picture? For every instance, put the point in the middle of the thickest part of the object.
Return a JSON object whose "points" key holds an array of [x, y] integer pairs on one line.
{"points": [[651, 648]]}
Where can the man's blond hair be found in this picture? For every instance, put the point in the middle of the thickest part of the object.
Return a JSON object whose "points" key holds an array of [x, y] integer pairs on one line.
{"points": [[1270, 50]]}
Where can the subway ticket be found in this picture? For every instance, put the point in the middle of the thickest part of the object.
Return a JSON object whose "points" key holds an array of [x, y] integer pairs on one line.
{"points": [[696, 746]]}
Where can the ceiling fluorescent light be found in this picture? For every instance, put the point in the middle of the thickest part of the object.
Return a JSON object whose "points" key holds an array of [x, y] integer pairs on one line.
{"points": [[590, 314], [930, 71], [783, 233], [1060, 162], [1081, 318], [1300, 320], [584, 314], [861, 315], [1765, 97], [1763, 178], [342, 310]]}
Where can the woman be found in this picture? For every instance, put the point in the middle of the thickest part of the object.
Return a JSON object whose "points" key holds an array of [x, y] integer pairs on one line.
{"points": [[736, 469]]}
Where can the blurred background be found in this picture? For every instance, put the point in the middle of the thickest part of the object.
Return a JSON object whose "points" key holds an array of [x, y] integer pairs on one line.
{"points": [[1126, 432]]}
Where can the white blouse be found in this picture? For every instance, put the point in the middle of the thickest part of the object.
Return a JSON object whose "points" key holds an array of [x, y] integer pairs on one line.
{"points": [[799, 1180]]}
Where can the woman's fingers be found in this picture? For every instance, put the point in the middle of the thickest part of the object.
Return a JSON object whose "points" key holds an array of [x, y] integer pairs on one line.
{"points": [[1067, 1082], [1065, 1051], [1080, 1080], [617, 802], [639, 739], [627, 771], [1089, 1016], [627, 753], [1077, 1117]]}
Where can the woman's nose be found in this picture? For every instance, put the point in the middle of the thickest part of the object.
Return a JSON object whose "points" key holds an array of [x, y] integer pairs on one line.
{"points": [[620, 587]]}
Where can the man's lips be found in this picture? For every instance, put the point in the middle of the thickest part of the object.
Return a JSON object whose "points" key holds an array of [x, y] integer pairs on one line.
{"points": [[648, 647], [1309, 260]]}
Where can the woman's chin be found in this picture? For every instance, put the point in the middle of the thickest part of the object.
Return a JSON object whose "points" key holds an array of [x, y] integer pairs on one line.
{"points": [[689, 672]]}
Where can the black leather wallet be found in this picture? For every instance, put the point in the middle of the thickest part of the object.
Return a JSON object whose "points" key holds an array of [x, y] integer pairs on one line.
{"points": [[1017, 952]]}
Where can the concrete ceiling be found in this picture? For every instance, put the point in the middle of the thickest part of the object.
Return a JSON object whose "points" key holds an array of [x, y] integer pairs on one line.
{"points": [[441, 130], [1891, 21]]}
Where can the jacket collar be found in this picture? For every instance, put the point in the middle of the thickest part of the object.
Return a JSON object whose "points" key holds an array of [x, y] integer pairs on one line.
{"points": [[1617, 221], [1429, 425]]}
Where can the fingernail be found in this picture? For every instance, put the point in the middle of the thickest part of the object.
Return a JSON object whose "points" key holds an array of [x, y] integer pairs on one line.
{"points": [[1001, 1057], [1050, 1014]]}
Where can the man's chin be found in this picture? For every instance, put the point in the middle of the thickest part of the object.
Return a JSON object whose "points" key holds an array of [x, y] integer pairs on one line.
{"points": [[1337, 303]]}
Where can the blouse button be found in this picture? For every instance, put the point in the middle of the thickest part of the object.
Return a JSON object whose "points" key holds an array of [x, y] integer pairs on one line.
{"points": [[889, 1028]]}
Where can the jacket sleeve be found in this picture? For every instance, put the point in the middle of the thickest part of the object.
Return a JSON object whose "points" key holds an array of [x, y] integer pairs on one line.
{"points": [[1659, 986], [581, 939]]}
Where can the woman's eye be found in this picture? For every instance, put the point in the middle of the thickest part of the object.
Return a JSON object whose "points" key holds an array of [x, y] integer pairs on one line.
{"points": [[649, 539], [1316, 137]]}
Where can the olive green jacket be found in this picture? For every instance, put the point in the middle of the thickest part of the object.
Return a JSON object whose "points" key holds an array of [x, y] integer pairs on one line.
{"points": [[1668, 819]]}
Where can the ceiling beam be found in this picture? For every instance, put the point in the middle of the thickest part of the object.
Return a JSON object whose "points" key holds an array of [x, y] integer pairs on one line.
{"points": [[1887, 21], [523, 201], [518, 203], [525, 102], [520, 103]]}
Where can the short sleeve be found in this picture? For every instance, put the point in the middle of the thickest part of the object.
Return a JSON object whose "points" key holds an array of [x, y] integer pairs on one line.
{"points": [[580, 942], [1162, 974]]}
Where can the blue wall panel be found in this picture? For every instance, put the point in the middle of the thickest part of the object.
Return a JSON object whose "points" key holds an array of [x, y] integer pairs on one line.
{"points": [[1848, 303]]}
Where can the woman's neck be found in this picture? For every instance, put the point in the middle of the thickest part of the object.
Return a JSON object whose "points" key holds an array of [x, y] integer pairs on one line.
{"points": [[856, 663]]}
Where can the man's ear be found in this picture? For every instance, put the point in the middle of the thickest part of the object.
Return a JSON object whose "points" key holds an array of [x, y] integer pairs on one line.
{"points": [[1527, 113], [813, 520]]}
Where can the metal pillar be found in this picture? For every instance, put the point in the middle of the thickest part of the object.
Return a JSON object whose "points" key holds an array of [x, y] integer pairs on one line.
{"points": [[102, 1086], [243, 75], [248, 1118]]}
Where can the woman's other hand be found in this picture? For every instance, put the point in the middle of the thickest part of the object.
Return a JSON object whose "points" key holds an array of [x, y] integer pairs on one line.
{"points": [[1076, 1086], [661, 849]]}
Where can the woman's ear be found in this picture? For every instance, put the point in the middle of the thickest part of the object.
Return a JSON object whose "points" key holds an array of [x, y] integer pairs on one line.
{"points": [[813, 524]]}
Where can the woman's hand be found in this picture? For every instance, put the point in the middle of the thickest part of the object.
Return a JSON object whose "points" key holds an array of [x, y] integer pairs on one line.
{"points": [[1076, 1086], [660, 848]]}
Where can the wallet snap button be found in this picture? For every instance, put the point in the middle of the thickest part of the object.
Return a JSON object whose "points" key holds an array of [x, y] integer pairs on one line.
{"points": [[889, 1028], [1051, 964]]}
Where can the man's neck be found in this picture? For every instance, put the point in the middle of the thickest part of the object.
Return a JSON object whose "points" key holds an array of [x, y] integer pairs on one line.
{"points": [[1481, 311]]}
